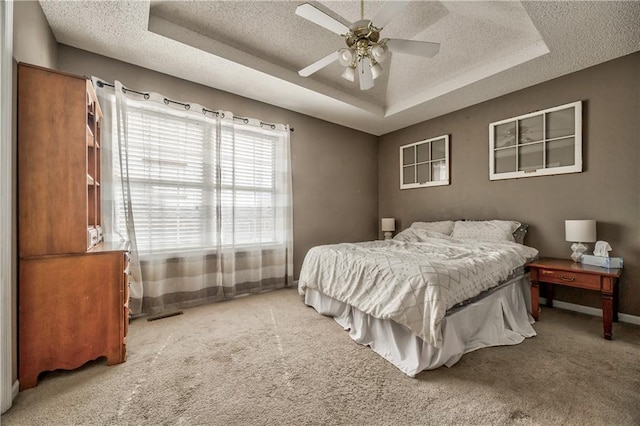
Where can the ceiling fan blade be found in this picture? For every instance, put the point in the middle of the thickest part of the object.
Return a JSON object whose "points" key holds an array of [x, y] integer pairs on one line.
{"points": [[364, 74], [319, 64], [413, 47], [387, 12], [318, 17]]}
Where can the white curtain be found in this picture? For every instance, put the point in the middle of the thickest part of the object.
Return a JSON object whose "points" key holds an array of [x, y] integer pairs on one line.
{"points": [[203, 196]]}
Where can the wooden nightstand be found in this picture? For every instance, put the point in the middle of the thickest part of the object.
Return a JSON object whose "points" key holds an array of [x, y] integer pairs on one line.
{"points": [[568, 273]]}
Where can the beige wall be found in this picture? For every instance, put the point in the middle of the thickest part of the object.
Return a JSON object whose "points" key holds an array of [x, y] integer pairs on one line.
{"points": [[335, 169], [608, 190], [33, 41]]}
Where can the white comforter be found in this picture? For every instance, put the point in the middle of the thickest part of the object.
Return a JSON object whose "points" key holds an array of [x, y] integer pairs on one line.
{"points": [[411, 283]]}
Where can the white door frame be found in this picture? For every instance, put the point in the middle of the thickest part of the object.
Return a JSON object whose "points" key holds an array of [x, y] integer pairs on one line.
{"points": [[6, 201]]}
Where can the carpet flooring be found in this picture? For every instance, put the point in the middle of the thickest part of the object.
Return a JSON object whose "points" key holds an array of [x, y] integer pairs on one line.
{"points": [[268, 360]]}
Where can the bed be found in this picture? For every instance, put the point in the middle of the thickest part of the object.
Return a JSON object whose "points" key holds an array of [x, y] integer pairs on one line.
{"points": [[434, 292]]}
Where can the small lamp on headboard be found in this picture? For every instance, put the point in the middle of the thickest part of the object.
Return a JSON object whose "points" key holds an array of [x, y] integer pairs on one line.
{"points": [[388, 226], [578, 232]]}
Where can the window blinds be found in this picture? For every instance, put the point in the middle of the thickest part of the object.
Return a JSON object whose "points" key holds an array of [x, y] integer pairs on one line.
{"points": [[192, 188]]}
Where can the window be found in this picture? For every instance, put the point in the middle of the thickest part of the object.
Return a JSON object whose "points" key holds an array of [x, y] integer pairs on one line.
{"points": [[425, 163], [191, 181], [540, 143], [248, 187]]}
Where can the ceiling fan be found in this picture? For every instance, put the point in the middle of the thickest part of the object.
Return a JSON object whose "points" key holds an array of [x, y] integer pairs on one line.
{"points": [[365, 50]]}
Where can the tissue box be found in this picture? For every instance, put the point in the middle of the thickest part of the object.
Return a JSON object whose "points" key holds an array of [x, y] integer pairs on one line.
{"points": [[603, 262]]}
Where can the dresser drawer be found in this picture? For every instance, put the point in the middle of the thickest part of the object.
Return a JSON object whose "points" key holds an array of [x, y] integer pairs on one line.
{"points": [[571, 279]]}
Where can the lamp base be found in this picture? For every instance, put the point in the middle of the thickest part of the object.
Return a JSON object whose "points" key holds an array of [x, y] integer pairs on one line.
{"points": [[388, 235], [578, 250]]}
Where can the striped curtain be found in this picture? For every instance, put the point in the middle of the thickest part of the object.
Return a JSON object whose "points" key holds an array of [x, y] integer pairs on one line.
{"points": [[203, 196]]}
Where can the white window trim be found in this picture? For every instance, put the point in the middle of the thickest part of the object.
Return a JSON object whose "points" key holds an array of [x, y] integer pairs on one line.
{"points": [[575, 168], [430, 183], [6, 198]]}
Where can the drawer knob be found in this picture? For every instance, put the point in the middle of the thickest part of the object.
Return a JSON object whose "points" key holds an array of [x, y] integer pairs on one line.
{"points": [[565, 278]]}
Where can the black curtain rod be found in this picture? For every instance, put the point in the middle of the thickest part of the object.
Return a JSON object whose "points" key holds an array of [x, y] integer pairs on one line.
{"points": [[167, 101], [125, 90], [217, 113]]}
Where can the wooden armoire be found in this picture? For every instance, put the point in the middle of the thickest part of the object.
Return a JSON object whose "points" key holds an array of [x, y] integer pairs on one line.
{"points": [[73, 288]]}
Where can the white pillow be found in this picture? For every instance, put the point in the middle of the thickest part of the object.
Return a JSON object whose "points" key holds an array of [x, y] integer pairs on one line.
{"points": [[408, 235], [443, 226], [485, 230], [415, 235]]}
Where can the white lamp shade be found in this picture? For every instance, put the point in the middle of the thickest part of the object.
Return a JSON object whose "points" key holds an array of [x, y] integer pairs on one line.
{"points": [[388, 224], [349, 74], [581, 231], [379, 52], [345, 57], [376, 70]]}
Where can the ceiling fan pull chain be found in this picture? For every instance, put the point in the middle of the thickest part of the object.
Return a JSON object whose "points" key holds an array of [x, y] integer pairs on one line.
{"points": [[362, 10]]}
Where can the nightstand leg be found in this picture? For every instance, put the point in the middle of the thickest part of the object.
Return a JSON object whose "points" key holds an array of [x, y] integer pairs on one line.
{"points": [[549, 294], [535, 295], [615, 301], [607, 314]]}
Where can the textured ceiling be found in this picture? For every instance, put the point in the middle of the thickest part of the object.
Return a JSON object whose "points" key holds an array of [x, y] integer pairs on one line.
{"points": [[255, 48]]}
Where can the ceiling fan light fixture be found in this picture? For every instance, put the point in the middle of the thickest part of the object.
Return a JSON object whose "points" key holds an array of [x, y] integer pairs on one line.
{"points": [[349, 74], [376, 69], [379, 52], [346, 57], [365, 49]]}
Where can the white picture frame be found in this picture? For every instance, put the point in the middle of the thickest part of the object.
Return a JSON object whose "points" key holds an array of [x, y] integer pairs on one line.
{"points": [[540, 143], [425, 163]]}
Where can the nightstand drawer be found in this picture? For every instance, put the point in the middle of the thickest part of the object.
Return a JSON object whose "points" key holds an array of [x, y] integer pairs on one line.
{"points": [[572, 279]]}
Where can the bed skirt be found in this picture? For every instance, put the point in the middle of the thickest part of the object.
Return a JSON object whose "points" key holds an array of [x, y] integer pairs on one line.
{"points": [[500, 318]]}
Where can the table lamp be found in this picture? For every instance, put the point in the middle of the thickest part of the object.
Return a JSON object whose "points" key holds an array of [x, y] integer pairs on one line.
{"points": [[578, 232], [388, 226]]}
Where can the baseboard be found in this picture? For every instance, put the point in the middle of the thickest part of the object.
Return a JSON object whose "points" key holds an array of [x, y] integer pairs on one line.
{"points": [[631, 319], [15, 389]]}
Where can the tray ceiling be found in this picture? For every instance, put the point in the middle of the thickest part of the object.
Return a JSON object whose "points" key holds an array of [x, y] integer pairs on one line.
{"points": [[255, 48]]}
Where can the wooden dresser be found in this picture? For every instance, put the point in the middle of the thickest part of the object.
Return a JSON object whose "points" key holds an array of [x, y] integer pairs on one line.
{"points": [[73, 289]]}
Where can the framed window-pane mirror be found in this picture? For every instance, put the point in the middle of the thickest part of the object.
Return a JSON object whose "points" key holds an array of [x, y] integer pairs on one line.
{"points": [[425, 163], [540, 143], [409, 155]]}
